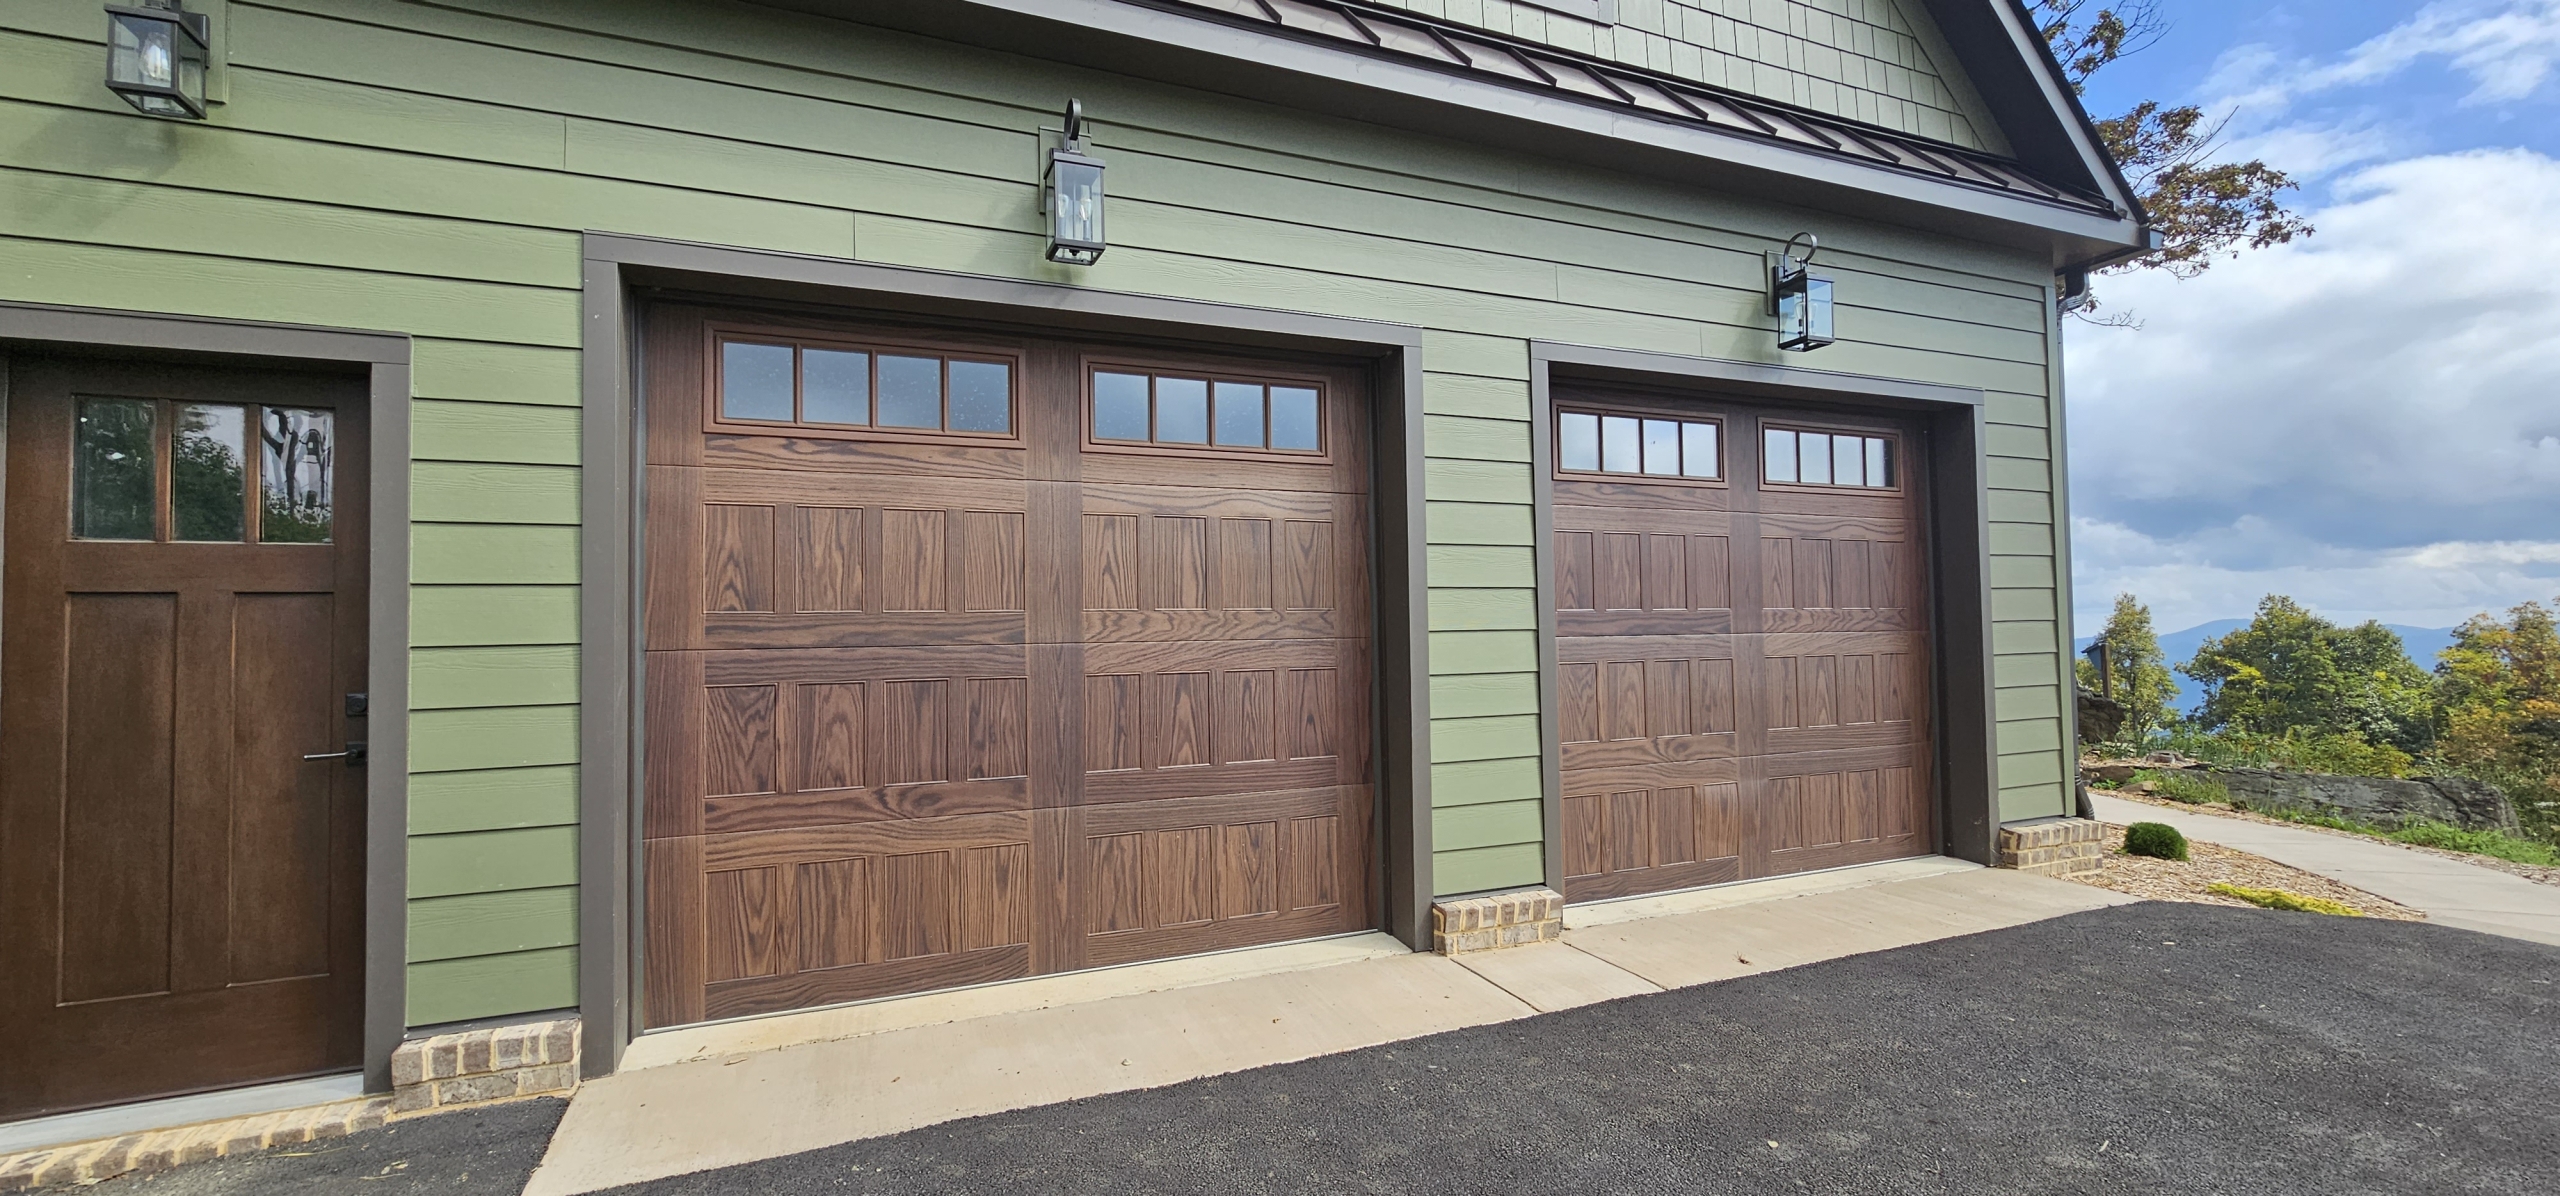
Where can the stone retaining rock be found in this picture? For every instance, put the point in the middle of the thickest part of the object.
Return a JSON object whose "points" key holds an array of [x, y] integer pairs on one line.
{"points": [[2458, 801]]}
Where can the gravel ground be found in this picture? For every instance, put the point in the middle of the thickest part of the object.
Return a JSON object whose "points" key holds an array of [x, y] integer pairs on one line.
{"points": [[2185, 880], [2532, 872]]}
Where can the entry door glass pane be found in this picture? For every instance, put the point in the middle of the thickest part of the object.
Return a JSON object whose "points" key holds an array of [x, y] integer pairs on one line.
{"points": [[910, 392], [981, 397], [835, 387], [1240, 414], [112, 470], [755, 381], [209, 473], [297, 472]]}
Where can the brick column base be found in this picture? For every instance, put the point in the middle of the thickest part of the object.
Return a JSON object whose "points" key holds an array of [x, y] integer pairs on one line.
{"points": [[1504, 920], [526, 1059], [2059, 847]]}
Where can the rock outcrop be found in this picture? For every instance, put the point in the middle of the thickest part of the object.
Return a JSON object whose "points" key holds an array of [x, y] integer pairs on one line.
{"points": [[2101, 718], [2458, 801]]}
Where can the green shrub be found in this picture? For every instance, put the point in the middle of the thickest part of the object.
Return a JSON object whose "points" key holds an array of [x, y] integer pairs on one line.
{"points": [[2159, 840], [2297, 750], [2184, 785], [2281, 899]]}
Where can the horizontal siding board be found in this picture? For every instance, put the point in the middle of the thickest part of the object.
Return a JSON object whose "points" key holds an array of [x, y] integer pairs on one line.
{"points": [[491, 861], [452, 678], [477, 616], [1467, 353], [1493, 824], [1476, 870], [2014, 604], [2020, 506], [2027, 701], [471, 371], [492, 737], [2034, 668], [1482, 398], [1483, 652], [1477, 695], [1478, 523], [2023, 637], [1483, 610], [492, 554], [2030, 768], [1474, 439], [1447, 480], [2012, 473], [2021, 572], [2022, 539], [486, 986], [470, 492], [492, 923], [1485, 565], [493, 432], [2031, 734], [443, 803], [1467, 782], [2035, 801], [1505, 737]]}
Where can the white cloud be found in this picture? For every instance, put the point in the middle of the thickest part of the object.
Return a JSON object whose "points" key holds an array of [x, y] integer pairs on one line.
{"points": [[2507, 50], [2369, 419]]}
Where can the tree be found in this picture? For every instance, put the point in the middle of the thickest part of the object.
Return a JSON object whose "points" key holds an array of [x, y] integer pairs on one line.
{"points": [[2202, 208], [2142, 679], [2498, 687], [2291, 670]]}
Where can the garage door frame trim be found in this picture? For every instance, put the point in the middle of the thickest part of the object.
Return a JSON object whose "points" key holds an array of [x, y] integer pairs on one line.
{"points": [[1959, 560], [609, 598]]}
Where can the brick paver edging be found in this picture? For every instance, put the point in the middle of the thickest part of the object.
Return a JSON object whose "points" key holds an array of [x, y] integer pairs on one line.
{"points": [[159, 1150]]}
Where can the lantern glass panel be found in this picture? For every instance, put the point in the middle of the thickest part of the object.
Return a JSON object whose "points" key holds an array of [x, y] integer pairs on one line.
{"points": [[1075, 203], [1817, 307], [156, 61]]}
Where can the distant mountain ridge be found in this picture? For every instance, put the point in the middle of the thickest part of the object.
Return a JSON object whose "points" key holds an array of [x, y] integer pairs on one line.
{"points": [[2179, 647]]}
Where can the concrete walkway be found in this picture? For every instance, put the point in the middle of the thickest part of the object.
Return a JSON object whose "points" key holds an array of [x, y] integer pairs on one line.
{"points": [[715, 1096], [2451, 892]]}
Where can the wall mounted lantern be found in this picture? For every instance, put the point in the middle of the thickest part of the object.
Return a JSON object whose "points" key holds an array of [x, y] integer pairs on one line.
{"points": [[156, 57], [1071, 192], [1800, 297]]}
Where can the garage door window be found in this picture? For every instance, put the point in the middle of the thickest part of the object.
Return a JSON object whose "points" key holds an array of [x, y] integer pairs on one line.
{"points": [[838, 388], [1807, 458], [1172, 411], [1639, 445]]}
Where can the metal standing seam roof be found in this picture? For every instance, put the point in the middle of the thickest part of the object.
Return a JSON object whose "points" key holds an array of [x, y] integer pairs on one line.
{"points": [[1539, 68]]}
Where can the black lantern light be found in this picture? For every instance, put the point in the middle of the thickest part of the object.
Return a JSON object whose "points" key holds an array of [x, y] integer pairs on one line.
{"points": [[1799, 297], [1071, 192], [156, 56]]}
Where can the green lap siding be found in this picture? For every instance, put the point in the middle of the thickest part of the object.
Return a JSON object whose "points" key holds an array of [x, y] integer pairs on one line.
{"points": [[427, 170]]}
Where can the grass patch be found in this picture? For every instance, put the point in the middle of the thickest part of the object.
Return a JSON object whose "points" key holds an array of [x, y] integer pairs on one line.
{"points": [[2159, 840], [2183, 785], [2497, 845], [2280, 899]]}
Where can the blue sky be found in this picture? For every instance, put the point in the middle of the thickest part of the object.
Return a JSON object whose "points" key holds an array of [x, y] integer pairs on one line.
{"points": [[2368, 420]]}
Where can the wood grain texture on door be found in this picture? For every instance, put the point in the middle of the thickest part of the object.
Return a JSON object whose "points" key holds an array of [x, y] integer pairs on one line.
{"points": [[1742, 668], [181, 892], [927, 713]]}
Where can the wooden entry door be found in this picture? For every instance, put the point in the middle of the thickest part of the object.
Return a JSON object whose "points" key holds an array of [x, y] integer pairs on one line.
{"points": [[1742, 644], [180, 889], [975, 657]]}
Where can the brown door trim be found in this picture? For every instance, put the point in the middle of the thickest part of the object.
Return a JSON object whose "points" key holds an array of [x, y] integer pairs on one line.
{"points": [[384, 359], [1958, 561], [611, 924]]}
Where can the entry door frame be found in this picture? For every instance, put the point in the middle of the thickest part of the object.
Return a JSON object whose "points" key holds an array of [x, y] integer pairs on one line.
{"points": [[1959, 556], [616, 266], [384, 359]]}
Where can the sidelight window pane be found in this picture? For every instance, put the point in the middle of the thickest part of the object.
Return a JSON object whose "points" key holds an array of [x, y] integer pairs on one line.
{"points": [[1698, 450], [209, 473], [1578, 441], [112, 470], [981, 397], [1848, 460], [1182, 411], [1778, 457], [1119, 406], [910, 392], [1814, 462], [1662, 447], [835, 387], [1879, 462], [297, 459], [1239, 414], [755, 381], [1620, 446], [1293, 418]]}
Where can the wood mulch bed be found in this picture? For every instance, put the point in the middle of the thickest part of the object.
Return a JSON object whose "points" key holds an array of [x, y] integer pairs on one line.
{"points": [[2176, 880], [2534, 872]]}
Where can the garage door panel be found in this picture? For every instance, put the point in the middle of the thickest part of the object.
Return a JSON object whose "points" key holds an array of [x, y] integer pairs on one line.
{"points": [[875, 459], [1678, 750], [1644, 570], [1584, 650], [1582, 493], [1205, 873], [1142, 469], [1623, 841]]}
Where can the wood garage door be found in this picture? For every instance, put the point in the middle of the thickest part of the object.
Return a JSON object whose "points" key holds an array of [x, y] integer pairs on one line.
{"points": [[977, 657], [1742, 653]]}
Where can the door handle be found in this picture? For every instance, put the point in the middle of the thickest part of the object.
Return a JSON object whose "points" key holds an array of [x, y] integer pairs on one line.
{"points": [[354, 755]]}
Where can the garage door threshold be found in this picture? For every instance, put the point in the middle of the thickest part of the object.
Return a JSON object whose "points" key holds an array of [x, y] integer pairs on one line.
{"points": [[718, 1095]]}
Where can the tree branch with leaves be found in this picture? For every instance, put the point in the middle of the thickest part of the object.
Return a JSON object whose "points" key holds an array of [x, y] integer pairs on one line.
{"points": [[2203, 208]]}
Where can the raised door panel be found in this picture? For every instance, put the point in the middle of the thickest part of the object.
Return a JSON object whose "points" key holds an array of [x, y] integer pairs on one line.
{"points": [[1181, 563], [1206, 873], [1194, 719], [1839, 572]]}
